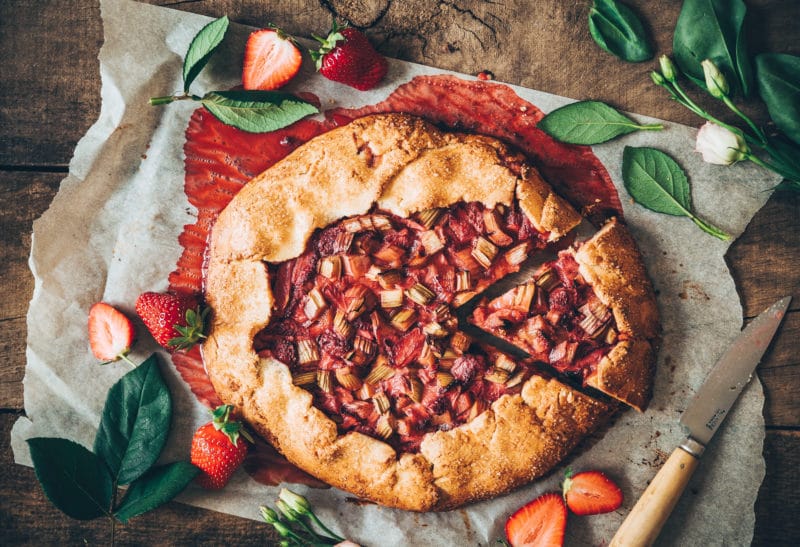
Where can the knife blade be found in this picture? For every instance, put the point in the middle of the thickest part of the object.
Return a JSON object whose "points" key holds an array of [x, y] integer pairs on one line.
{"points": [[702, 419]]}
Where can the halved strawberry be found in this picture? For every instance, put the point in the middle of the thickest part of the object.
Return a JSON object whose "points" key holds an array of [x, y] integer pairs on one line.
{"points": [[110, 333], [591, 493], [539, 523], [271, 59]]}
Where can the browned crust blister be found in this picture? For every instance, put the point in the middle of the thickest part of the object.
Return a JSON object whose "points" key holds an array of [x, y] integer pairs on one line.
{"points": [[403, 165]]}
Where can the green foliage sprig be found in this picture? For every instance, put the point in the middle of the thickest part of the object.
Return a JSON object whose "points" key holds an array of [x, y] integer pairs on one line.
{"points": [[253, 111], [133, 430]]}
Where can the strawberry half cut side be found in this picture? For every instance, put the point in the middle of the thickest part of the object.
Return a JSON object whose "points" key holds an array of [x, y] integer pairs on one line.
{"points": [[591, 493], [271, 60], [539, 523], [111, 333]]}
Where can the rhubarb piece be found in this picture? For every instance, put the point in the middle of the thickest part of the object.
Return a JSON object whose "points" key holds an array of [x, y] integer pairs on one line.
{"points": [[484, 251], [420, 294]]}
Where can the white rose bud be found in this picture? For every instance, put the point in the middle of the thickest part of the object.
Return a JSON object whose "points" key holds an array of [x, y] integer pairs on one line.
{"points": [[719, 145], [715, 81]]}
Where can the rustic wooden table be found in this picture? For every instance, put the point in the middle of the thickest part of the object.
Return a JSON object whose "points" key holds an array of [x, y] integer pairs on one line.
{"points": [[49, 96]]}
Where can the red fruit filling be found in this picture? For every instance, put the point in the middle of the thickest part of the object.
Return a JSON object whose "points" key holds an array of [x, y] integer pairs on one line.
{"points": [[556, 317], [363, 318]]}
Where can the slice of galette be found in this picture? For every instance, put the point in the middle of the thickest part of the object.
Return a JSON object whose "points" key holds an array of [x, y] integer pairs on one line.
{"points": [[589, 315], [333, 277]]}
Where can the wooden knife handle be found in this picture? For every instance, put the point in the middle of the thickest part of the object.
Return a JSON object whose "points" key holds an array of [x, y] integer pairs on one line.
{"points": [[645, 520]]}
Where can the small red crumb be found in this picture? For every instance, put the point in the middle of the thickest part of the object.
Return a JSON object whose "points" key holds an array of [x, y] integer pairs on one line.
{"points": [[484, 75]]}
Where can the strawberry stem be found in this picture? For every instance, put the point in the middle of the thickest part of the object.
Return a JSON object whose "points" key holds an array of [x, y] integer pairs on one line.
{"points": [[124, 357]]}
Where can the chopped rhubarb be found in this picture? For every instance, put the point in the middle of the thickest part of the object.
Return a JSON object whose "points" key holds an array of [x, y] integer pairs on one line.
{"points": [[561, 323], [363, 319]]}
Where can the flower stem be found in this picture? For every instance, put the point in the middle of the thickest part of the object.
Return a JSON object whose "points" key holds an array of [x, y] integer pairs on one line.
{"points": [[779, 170], [760, 134], [324, 528]]}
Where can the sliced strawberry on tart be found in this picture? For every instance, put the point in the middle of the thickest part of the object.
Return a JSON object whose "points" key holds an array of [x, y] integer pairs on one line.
{"points": [[333, 277]]}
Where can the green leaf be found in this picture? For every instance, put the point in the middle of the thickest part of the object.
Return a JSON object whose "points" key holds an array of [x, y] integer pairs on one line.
{"points": [[713, 29], [619, 31], [73, 478], [201, 48], [588, 122], [655, 181], [154, 488], [257, 111], [135, 422], [778, 77], [785, 154]]}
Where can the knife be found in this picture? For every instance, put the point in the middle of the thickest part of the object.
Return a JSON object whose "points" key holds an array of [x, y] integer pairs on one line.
{"points": [[702, 418]]}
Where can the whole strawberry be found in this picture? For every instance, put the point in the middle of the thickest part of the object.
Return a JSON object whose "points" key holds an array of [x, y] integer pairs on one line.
{"points": [[175, 321], [347, 57], [218, 448]]}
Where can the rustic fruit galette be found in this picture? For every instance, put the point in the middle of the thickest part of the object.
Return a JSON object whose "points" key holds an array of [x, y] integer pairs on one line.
{"points": [[335, 279]]}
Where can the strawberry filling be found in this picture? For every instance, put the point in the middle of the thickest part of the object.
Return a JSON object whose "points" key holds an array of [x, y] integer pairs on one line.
{"points": [[556, 317], [363, 318]]}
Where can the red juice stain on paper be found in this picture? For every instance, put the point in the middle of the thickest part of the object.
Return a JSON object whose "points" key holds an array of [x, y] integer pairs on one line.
{"points": [[220, 159]]}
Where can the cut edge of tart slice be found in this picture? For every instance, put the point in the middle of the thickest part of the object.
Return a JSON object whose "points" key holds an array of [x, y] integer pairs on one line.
{"points": [[591, 314]]}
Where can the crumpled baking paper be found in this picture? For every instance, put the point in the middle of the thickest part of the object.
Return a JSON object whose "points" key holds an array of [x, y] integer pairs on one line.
{"points": [[111, 233]]}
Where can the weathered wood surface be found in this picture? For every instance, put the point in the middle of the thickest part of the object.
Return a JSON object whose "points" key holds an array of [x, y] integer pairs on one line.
{"points": [[49, 96]]}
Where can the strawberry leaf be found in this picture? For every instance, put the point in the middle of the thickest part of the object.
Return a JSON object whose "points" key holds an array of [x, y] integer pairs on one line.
{"points": [[135, 422], [72, 477], [154, 488], [257, 111], [192, 333], [201, 48]]}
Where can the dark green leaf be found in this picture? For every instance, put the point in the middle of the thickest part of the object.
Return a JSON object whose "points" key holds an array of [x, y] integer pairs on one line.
{"points": [[785, 154], [72, 477], [618, 30], [154, 488], [655, 181], [778, 78], [135, 422], [257, 111], [713, 29], [588, 122], [201, 48]]}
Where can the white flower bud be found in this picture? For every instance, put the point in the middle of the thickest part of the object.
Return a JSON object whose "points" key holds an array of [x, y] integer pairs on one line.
{"points": [[667, 68], [719, 145], [715, 81]]}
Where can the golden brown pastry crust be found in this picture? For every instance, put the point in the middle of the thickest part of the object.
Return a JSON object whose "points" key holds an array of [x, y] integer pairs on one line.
{"points": [[403, 165], [610, 261]]}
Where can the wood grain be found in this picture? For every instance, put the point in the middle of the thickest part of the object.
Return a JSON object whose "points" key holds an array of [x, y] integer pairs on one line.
{"points": [[49, 96]]}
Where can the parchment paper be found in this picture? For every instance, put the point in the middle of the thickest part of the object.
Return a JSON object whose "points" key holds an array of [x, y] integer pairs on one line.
{"points": [[111, 233]]}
